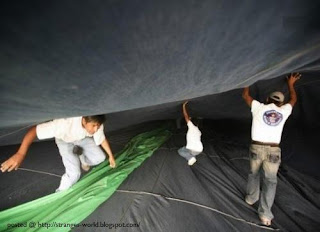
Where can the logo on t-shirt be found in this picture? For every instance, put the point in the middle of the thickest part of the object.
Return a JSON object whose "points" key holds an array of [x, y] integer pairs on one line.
{"points": [[272, 117]]}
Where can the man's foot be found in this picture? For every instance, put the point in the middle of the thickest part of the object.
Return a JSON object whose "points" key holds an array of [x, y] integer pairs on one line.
{"points": [[248, 201], [192, 161], [85, 167], [265, 221]]}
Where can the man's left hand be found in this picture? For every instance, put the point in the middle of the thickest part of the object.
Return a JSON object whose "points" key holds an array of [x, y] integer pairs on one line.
{"points": [[112, 162], [293, 78]]}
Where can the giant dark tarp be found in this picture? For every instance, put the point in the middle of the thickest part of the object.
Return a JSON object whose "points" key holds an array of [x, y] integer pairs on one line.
{"points": [[137, 61]]}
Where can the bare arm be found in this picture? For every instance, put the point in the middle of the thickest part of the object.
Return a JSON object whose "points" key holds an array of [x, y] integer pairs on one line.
{"points": [[106, 146], [291, 81], [185, 112], [14, 161], [246, 96]]}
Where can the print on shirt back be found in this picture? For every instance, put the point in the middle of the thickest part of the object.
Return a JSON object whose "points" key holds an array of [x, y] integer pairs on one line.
{"points": [[272, 117]]}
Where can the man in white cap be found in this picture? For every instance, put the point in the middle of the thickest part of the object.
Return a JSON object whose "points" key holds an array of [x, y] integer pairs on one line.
{"points": [[267, 125]]}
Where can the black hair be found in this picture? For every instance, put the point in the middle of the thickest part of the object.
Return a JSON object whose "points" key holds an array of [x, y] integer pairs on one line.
{"points": [[96, 118]]}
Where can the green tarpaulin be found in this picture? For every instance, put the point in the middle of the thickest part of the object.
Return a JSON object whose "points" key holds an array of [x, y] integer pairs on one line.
{"points": [[61, 211]]}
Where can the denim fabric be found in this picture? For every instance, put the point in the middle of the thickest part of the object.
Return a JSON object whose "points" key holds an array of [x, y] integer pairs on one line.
{"points": [[187, 154], [266, 160], [92, 155]]}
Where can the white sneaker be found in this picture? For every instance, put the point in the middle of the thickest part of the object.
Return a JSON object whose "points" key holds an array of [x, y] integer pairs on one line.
{"points": [[192, 161], [85, 167]]}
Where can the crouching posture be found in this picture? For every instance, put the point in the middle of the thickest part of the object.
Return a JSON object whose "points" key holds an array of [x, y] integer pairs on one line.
{"points": [[78, 140], [267, 124], [194, 145]]}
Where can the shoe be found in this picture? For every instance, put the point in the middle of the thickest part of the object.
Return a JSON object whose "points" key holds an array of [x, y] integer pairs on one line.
{"points": [[85, 167], [192, 161], [248, 201], [265, 221]]}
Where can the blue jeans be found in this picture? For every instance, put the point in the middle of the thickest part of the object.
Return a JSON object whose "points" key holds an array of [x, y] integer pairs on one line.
{"points": [[264, 159], [187, 154]]}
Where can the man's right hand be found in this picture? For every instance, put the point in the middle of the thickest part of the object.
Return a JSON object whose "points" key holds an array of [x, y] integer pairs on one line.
{"points": [[185, 112], [13, 163]]}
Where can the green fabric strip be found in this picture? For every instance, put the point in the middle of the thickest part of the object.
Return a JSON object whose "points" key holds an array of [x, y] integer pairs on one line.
{"points": [[74, 205]]}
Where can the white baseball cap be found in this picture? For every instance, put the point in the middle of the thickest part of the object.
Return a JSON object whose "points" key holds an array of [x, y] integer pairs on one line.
{"points": [[277, 96]]}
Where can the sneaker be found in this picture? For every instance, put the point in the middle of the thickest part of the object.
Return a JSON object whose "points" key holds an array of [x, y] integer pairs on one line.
{"points": [[192, 161], [85, 167]]}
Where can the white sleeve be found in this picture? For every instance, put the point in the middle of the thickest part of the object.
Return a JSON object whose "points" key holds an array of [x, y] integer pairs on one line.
{"points": [[99, 136], [190, 124], [255, 105], [287, 109], [46, 130]]}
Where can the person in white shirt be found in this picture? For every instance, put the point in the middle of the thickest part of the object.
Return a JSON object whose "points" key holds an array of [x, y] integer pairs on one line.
{"points": [[78, 140], [194, 145], [267, 124]]}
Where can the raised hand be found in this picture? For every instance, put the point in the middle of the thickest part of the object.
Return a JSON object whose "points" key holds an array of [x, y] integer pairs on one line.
{"points": [[293, 78]]}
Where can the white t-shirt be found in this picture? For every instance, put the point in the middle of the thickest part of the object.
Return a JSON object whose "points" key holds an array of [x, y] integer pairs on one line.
{"points": [[268, 121], [194, 138], [68, 130]]}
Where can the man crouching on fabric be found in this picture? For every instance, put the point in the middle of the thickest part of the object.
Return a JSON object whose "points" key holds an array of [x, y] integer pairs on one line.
{"points": [[78, 140]]}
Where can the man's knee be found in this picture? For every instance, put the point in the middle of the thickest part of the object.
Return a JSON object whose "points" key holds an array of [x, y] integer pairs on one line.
{"points": [[255, 166], [100, 159], [271, 170], [96, 158], [254, 174], [270, 177], [74, 176]]}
